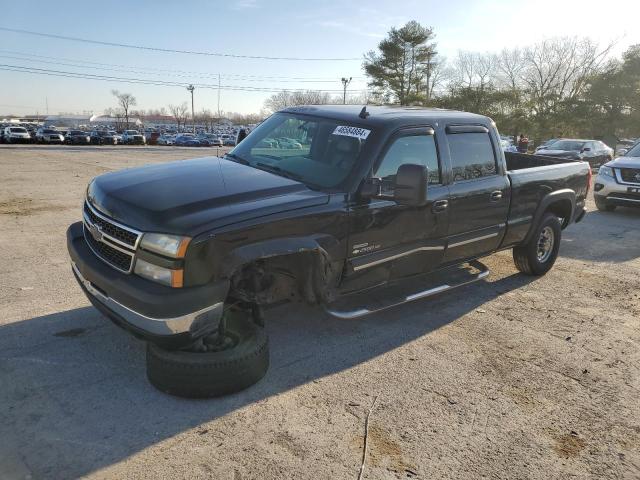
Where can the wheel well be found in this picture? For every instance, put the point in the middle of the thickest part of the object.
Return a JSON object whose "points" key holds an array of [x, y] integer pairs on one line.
{"points": [[271, 280], [561, 209]]}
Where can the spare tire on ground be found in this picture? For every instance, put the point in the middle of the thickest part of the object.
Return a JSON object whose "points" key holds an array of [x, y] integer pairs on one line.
{"points": [[237, 361]]}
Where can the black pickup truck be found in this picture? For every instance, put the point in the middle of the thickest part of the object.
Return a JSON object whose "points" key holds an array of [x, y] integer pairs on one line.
{"points": [[355, 209]]}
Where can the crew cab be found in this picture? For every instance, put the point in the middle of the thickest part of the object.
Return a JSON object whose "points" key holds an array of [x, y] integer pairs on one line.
{"points": [[378, 207]]}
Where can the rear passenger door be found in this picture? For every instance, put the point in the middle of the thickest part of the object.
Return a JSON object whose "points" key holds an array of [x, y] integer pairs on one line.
{"points": [[478, 194]]}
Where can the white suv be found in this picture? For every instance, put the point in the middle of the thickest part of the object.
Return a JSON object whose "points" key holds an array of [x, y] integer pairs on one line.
{"points": [[618, 182], [49, 135], [16, 135], [133, 137]]}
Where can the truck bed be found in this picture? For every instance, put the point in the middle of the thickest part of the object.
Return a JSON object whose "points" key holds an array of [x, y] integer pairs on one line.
{"points": [[518, 161], [532, 178]]}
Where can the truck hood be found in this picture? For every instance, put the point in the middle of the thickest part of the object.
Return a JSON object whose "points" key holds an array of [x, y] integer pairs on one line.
{"points": [[624, 162], [189, 197]]}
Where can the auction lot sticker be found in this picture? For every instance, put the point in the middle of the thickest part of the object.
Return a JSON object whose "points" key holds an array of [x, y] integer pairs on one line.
{"points": [[355, 132]]}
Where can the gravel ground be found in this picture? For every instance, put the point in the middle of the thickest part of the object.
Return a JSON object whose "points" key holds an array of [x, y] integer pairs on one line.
{"points": [[508, 378]]}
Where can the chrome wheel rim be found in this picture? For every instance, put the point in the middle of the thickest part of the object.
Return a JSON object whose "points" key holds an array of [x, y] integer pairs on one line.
{"points": [[545, 244]]}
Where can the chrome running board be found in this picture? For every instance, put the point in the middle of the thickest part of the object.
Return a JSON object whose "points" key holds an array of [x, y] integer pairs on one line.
{"points": [[364, 303]]}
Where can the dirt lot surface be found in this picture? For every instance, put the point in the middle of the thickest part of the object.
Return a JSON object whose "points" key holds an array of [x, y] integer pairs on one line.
{"points": [[510, 378]]}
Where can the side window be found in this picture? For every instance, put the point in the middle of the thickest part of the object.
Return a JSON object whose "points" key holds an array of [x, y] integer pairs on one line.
{"points": [[472, 156], [416, 149]]}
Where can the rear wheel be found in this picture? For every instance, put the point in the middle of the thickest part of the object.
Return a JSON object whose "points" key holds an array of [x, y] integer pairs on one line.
{"points": [[225, 363], [538, 255], [603, 205]]}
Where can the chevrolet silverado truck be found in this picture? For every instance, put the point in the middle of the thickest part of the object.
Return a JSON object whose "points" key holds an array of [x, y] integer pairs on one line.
{"points": [[380, 206]]}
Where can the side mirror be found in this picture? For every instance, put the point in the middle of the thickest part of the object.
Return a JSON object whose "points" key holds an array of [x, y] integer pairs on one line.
{"points": [[371, 188], [410, 186], [622, 152]]}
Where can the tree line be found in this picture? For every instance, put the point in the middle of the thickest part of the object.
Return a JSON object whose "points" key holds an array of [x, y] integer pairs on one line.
{"points": [[570, 87]]}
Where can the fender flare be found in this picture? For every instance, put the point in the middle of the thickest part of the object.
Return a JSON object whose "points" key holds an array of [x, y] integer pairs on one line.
{"points": [[562, 195], [324, 271]]}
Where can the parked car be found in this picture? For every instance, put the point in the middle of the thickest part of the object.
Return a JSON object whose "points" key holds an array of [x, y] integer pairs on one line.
{"points": [[229, 142], [152, 138], [267, 143], [188, 254], [618, 182], [133, 137], [593, 151], [16, 135], [284, 142], [546, 144], [166, 139], [508, 146], [104, 137], [187, 140], [48, 135], [77, 137]]}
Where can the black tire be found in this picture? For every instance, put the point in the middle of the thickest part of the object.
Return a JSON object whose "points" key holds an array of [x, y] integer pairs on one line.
{"points": [[603, 205], [526, 256], [212, 374]]}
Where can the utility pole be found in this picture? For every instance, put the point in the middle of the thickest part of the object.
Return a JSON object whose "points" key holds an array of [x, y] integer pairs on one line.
{"points": [[345, 83], [218, 97], [191, 88]]}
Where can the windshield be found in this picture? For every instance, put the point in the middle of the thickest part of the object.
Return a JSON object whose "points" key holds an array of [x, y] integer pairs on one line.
{"points": [[568, 145], [18, 130], [634, 152], [316, 151]]}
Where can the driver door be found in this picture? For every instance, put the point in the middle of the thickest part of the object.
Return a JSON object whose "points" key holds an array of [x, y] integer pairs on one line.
{"points": [[389, 241]]}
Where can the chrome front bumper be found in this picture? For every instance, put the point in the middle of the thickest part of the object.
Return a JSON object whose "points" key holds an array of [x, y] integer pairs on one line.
{"points": [[194, 323]]}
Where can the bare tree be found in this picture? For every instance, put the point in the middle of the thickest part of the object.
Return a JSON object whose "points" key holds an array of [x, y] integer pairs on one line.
{"points": [[125, 101], [180, 113], [557, 70], [286, 99]]}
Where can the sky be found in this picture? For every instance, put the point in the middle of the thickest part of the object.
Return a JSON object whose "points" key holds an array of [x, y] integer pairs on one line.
{"points": [[329, 29]]}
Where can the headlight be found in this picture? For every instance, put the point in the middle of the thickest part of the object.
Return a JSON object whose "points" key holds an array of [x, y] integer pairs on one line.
{"points": [[169, 245], [155, 273], [606, 171]]}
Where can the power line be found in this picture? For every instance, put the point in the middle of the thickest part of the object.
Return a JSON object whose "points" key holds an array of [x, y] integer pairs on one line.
{"points": [[143, 72], [142, 81], [168, 50], [139, 69]]}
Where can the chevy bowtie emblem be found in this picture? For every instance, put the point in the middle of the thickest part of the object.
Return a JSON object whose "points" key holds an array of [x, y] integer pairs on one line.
{"points": [[96, 233]]}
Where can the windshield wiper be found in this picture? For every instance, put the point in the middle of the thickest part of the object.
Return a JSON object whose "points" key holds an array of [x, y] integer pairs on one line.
{"points": [[279, 171], [236, 158]]}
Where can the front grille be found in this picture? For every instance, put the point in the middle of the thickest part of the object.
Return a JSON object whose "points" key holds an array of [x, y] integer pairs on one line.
{"points": [[630, 175], [111, 255], [112, 242], [127, 237]]}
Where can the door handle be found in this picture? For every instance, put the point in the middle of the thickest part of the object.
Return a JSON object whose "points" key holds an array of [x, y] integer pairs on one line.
{"points": [[497, 195], [439, 206]]}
